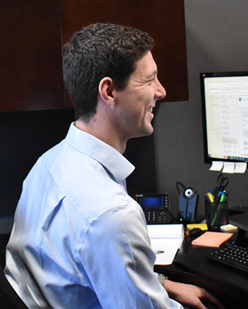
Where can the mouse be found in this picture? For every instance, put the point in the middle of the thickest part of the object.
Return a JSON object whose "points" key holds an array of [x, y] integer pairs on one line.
{"points": [[195, 231]]}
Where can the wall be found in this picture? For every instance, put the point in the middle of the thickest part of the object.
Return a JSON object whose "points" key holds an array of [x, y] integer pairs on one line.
{"points": [[217, 40]]}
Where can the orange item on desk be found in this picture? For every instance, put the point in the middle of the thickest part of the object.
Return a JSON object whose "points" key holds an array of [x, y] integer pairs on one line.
{"points": [[211, 239]]}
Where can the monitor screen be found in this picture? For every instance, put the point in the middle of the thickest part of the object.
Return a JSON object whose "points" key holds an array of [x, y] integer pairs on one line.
{"points": [[225, 116]]}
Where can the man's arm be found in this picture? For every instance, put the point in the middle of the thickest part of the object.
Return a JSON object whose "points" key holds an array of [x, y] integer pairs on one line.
{"points": [[118, 260]]}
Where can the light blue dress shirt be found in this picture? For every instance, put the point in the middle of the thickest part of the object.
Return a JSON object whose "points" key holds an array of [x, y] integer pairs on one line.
{"points": [[79, 240]]}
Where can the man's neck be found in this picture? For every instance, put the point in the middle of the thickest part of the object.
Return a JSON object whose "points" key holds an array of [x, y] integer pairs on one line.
{"points": [[102, 132]]}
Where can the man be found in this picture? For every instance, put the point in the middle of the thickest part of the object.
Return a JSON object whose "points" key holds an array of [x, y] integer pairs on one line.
{"points": [[79, 240]]}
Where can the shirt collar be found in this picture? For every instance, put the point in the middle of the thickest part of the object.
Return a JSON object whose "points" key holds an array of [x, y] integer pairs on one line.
{"points": [[108, 156]]}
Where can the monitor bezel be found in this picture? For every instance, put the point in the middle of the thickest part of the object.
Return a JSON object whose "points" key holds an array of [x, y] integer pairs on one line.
{"points": [[203, 75]]}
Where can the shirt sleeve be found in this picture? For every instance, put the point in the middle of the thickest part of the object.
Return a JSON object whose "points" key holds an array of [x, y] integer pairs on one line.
{"points": [[118, 260]]}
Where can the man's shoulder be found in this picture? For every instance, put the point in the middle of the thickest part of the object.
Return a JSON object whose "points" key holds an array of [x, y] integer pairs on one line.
{"points": [[94, 201]]}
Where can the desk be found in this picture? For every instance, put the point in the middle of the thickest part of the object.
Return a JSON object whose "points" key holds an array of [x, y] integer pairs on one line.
{"points": [[191, 266]]}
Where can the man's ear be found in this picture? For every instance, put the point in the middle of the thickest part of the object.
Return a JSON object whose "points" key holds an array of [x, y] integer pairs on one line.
{"points": [[105, 89]]}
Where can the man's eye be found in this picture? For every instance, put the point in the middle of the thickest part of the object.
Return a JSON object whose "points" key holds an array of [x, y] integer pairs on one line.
{"points": [[149, 81]]}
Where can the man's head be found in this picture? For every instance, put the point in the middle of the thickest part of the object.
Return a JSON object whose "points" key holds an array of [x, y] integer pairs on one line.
{"points": [[98, 51]]}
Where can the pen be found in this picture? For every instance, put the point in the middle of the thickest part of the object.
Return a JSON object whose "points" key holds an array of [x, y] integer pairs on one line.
{"points": [[210, 197], [222, 197]]}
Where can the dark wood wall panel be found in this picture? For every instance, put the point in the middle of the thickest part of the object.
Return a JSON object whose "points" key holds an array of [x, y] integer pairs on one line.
{"points": [[30, 57], [164, 20]]}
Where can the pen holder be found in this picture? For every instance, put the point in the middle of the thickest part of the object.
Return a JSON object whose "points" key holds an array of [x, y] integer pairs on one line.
{"points": [[216, 214]]}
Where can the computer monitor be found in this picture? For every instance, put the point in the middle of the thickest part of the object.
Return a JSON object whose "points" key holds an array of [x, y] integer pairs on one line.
{"points": [[225, 116]]}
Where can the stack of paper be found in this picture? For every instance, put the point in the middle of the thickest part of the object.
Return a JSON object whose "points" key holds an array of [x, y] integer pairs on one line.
{"points": [[166, 239], [211, 239]]}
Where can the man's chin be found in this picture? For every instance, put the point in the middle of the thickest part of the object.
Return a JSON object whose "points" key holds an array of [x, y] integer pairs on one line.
{"points": [[149, 130], [145, 132]]}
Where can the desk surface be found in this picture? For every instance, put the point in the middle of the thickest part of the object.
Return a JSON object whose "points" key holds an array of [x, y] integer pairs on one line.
{"points": [[191, 266]]}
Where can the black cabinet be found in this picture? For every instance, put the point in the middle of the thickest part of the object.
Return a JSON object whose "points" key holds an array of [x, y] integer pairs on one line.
{"points": [[30, 55]]}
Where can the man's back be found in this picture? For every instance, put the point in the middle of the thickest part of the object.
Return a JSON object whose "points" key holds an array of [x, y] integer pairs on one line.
{"points": [[76, 240]]}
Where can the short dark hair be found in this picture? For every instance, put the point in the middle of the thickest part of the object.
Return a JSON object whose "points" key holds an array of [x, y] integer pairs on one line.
{"points": [[97, 51]]}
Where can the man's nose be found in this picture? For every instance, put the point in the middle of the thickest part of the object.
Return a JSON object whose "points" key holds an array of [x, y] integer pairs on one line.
{"points": [[160, 91]]}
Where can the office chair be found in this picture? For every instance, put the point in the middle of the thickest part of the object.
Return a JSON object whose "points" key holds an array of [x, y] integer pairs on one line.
{"points": [[9, 299]]}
